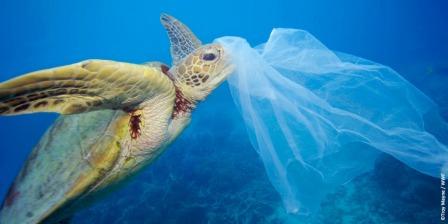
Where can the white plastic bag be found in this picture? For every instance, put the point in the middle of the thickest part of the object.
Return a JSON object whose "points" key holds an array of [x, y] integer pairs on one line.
{"points": [[319, 118]]}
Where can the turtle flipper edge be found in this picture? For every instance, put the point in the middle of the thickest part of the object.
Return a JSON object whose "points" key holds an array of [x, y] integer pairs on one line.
{"points": [[82, 87]]}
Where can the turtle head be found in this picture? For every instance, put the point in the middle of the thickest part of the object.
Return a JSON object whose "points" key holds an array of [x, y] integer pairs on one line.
{"points": [[197, 69], [202, 71]]}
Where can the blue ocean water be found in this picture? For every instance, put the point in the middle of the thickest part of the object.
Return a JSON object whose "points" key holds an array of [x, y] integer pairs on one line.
{"points": [[212, 174]]}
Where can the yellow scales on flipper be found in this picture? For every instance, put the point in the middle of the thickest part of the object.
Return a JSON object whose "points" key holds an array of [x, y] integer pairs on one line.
{"points": [[117, 118]]}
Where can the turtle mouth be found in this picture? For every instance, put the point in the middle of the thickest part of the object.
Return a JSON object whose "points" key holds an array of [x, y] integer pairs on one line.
{"points": [[226, 68]]}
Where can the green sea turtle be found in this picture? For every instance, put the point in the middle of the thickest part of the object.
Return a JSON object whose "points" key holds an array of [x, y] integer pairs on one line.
{"points": [[117, 118]]}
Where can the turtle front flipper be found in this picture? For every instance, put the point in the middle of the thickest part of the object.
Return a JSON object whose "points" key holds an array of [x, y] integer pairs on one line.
{"points": [[183, 41], [81, 87]]}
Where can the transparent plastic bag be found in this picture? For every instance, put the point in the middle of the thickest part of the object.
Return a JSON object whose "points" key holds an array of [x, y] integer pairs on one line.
{"points": [[318, 118]]}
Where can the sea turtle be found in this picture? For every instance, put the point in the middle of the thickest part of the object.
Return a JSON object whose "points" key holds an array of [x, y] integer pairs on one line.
{"points": [[116, 119]]}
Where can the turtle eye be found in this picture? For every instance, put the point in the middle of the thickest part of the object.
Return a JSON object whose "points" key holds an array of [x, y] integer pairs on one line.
{"points": [[209, 57]]}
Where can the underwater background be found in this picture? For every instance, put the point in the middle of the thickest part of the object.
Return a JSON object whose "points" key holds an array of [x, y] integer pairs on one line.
{"points": [[211, 174]]}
